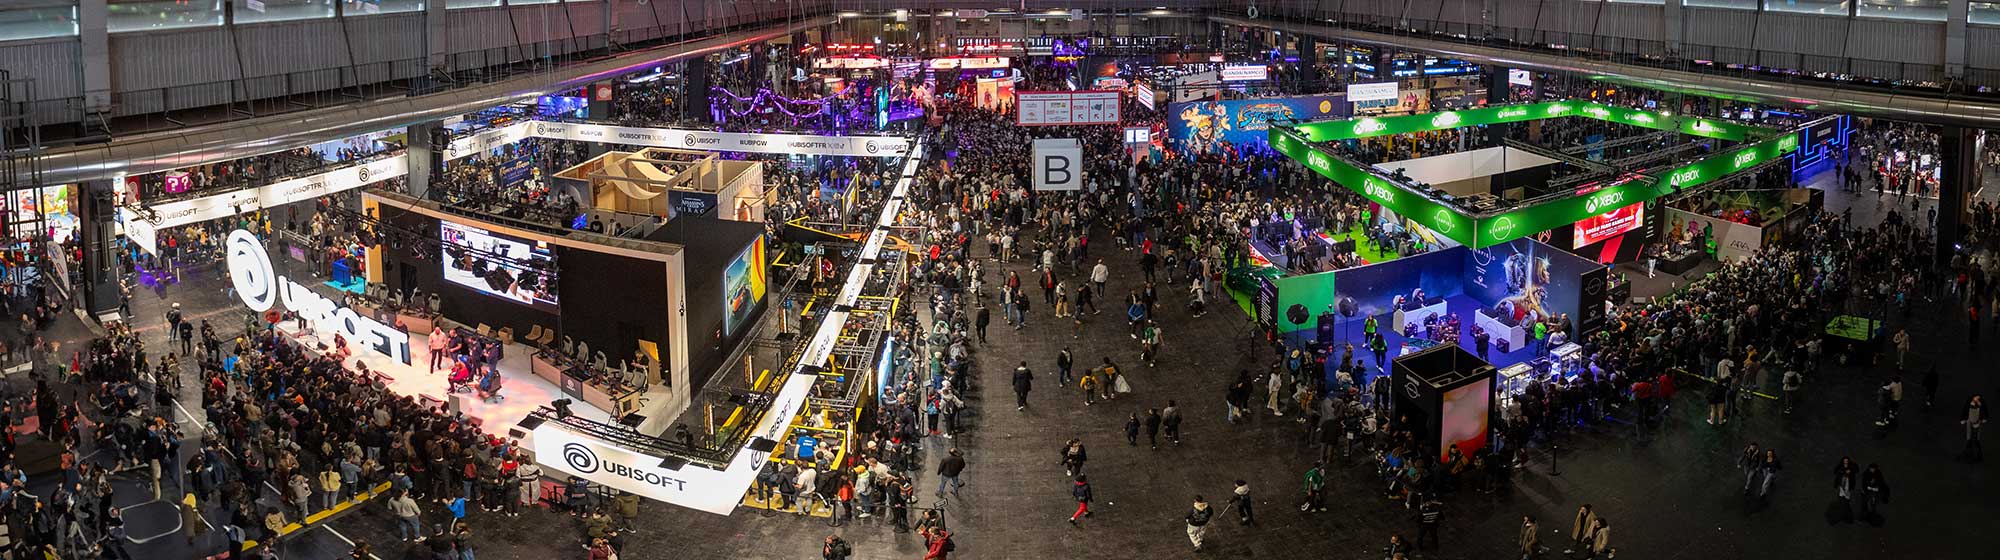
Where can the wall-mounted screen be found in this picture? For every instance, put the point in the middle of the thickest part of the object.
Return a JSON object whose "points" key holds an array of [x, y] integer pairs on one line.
{"points": [[742, 287], [499, 265], [1605, 226]]}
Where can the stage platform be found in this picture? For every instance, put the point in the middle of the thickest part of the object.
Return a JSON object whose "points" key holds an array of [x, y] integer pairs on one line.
{"points": [[1368, 253], [524, 391], [1349, 330]]}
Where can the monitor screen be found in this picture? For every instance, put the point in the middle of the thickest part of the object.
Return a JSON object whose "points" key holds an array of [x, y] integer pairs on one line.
{"points": [[742, 287], [499, 265]]}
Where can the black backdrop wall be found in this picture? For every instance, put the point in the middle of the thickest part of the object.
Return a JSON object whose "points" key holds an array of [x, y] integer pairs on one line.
{"points": [[711, 244], [614, 301]]}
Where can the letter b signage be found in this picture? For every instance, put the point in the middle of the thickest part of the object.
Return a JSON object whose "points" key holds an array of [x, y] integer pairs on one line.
{"points": [[1058, 164]]}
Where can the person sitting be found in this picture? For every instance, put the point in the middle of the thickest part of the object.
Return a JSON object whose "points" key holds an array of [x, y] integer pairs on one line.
{"points": [[489, 386], [461, 375]]}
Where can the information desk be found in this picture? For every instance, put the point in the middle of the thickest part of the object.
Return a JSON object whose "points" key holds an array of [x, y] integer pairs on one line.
{"points": [[1415, 312], [568, 374], [1501, 328]]}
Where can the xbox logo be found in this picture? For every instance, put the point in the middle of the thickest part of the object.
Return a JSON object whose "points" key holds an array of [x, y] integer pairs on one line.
{"points": [[1590, 205]]}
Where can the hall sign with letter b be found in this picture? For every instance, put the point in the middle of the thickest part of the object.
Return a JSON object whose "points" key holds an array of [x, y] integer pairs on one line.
{"points": [[1058, 164]]}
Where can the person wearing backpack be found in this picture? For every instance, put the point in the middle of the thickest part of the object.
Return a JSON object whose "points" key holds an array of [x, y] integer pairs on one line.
{"points": [[1197, 521], [836, 549], [1080, 491]]}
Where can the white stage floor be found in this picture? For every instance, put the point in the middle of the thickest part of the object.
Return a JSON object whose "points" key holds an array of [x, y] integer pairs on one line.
{"points": [[524, 391]]}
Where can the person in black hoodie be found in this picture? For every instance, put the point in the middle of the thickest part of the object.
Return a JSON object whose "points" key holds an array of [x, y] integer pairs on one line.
{"points": [[1080, 491], [1874, 489], [1024, 381]]}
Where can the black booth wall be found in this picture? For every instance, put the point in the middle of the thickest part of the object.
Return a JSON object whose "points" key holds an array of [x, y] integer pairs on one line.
{"points": [[710, 245], [613, 301]]}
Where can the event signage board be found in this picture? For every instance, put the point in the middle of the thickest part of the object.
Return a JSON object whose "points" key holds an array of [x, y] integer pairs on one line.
{"points": [[1043, 108], [1521, 78], [1373, 92], [259, 287], [283, 192], [1144, 93], [485, 140], [139, 231], [857, 146], [1203, 126], [1497, 114], [1246, 73], [1058, 164]]}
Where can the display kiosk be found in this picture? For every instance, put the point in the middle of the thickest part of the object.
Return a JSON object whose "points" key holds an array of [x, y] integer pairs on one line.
{"points": [[1444, 395]]}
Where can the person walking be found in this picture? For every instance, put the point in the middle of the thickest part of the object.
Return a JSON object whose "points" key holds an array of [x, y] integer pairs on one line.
{"points": [[1315, 486], [1767, 470], [1241, 500], [1099, 275], [1073, 457], [1874, 489], [1132, 430], [1197, 521], [1973, 416], [1579, 530], [1152, 422], [1600, 540], [1089, 384], [1024, 381], [1081, 491], [1064, 362], [1170, 418], [1531, 537], [1845, 475], [191, 521], [948, 470], [1429, 514]]}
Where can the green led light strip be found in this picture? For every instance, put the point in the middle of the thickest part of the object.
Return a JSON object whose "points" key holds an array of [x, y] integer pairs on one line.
{"points": [[1368, 127], [1480, 231]]}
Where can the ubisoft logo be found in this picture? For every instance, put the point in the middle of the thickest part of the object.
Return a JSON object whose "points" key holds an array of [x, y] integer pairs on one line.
{"points": [[250, 271], [579, 458]]}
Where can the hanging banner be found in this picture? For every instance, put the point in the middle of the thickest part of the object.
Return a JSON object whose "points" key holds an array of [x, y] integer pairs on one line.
{"points": [[280, 193], [1058, 164], [1203, 126], [1372, 92], [486, 140], [858, 146], [1043, 108]]}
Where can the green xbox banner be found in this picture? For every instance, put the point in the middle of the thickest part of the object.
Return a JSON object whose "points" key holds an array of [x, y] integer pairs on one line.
{"points": [[1442, 220], [1370, 127], [1527, 221]]}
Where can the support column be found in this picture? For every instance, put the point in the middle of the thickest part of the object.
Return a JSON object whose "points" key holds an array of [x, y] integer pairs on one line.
{"points": [[694, 74], [1670, 19], [429, 142], [437, 26], [1959, 149], [97, 221], [1954, 37], [96, 50], [1498, 92], [1309, 64]]}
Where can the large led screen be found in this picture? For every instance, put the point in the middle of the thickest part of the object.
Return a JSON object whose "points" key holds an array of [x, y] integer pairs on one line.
{"points": [[498, 265], [1605, 226], [1464, 420], [742, 286]]}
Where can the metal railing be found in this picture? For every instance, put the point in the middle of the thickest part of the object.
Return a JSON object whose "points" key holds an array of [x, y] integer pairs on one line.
{"points": [[1774, 66]]}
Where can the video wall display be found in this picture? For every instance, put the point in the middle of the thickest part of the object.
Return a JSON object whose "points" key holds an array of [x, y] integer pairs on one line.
{"points": [[743, 286], [498, 265], [1464, 421], [1605, 226]]}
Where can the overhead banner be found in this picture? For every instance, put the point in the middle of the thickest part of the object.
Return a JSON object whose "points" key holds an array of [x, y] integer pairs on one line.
{"points": [[1655, 120], [1044, 108], [485, 140], [857, 146], [1202, 126], [1372, 92], [1058, 164], [1440, 219], [283, 192], [1250, 73]]}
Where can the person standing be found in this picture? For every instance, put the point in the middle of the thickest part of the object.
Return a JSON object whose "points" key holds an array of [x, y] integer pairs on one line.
{"points": [[406, 512], [1081, 491], [1600, 540], [1132, 430], [1170, 418], [1020, 309], [1197, 521], [1531, 537], [981, 317], [949, 468], [1845, 476], [1902, 341], [1089, 383], [1767, 470], [1024, 381], [1241, 500], [1073, 457], [1428, 516]]}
